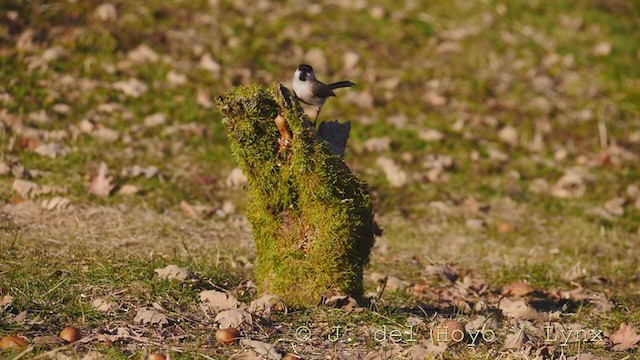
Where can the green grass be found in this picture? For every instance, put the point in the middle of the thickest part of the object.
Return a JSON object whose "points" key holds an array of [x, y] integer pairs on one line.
{"points": [[522, 67]]}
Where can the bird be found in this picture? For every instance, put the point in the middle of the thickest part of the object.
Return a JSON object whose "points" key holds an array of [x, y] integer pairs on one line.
{"points": [[312, 91]]}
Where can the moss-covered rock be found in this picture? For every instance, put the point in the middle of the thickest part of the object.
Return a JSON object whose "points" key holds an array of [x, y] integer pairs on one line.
{"points": [[312, 218]]}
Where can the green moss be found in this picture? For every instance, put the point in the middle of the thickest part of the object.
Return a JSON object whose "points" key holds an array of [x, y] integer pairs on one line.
{"points": [[312, 218]]}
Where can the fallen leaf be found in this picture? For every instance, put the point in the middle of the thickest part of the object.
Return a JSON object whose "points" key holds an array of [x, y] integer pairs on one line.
{"points": [[207, 63], [624, 338], [132, 87], [509, 135], [137, 170], [235, 318], [56, 202], [6, 300], [602, 49], [24, 188], [103, 305], [518, 309], [189, 210], [128, 190], [570, 185], [601, 302], [376, 145], [346, 303], [394, 174], [203, 99], [236, 178], [176, 78], [218, 300], [262, 348], [445, 271], [434, 99], [395, 284], [151, 316], [106, 12], [266, 304], [143, 54], [431, 135], [173, 272], [515, 340], [154, 120], [51, 150], [517, 289], [101, 183], [105, 134]]}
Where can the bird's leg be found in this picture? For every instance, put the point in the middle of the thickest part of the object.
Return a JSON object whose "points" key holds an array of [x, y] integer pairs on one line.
{"points": [[317, 114]]}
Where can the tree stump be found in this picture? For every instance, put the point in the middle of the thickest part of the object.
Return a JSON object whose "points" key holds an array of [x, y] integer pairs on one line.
{"points": [[312, 218]]}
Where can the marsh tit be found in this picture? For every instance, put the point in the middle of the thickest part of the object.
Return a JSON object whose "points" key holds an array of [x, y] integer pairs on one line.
{"points": [[312, 91]]}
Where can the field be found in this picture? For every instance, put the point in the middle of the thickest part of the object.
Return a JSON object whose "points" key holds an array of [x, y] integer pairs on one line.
{"points": [[500, 139]]}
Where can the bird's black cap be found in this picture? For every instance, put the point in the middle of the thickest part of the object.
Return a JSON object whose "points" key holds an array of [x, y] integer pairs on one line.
{"points": [[305, 68]]}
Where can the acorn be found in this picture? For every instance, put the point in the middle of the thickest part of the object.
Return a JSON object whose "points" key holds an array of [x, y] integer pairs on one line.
{"points": [[12, 342], [227, 336], [157, 356], [70, 334]]}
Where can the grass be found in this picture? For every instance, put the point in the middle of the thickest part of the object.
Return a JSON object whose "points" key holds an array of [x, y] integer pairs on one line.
{"points": [[531, 65]]}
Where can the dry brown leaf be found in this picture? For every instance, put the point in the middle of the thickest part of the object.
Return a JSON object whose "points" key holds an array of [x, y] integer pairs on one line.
{"points": [[173, 272], [106, 12], [131, 87], [395, 284], [6, 300], [128, 190], [218, 300], [51, 150], [435, 349], [517, 289], [624, 338], [509, 135], [262, 348], [103, 305], [601, 302], [346, 303], [151, 316], [377, 145], [101, 183], [235, 318], [515, 340], [445, 271], [189, 210], [56, 202], [518, 309], [154, 120], [266, 304], [143, 54], [236, 178], [24, 188], [394, 174]]}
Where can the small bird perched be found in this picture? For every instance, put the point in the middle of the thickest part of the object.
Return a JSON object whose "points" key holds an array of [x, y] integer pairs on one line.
{"points": [[312, 91]]}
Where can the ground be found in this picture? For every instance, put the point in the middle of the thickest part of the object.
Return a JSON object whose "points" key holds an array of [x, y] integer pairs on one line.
{"points": [[500, 140]]}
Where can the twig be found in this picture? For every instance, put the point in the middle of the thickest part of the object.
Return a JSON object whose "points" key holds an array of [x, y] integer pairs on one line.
{"points": [[25, 352]]}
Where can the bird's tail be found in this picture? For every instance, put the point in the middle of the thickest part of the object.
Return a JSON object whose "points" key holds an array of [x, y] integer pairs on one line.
{"points": [[341, 84]]}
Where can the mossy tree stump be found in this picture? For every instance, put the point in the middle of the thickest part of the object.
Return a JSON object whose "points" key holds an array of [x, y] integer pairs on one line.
{"points": [[312, 218]]}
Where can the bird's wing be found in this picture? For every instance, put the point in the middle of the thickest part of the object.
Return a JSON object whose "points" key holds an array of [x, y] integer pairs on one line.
{"points": [[322, 90]]}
